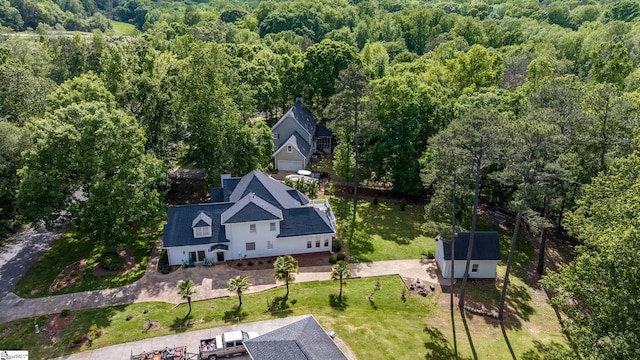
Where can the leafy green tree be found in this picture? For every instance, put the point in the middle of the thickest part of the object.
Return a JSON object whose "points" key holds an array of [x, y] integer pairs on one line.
{"points": [[88, 166], [13, 141], [323, 63], [474, 140], [349, 106], [531, 150], [599, 289], [284, 269], [186, 289], [217, 138], [610, 63], [406, 114], [343, 160], [476, 68], [22, 94], [83, 89], [238, 285], [625, 10], [10, 16], [340, 271]]}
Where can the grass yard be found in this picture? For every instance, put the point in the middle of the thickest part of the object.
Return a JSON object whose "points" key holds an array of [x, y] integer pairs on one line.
{"points": [[382, 231], [71, 247], [380, 327], [121, 28]]}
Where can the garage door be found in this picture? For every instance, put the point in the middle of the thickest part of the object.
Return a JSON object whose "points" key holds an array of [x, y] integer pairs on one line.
{"points": [[290, 165]]}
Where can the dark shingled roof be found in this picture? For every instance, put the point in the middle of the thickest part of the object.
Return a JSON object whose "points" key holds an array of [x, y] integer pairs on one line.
{"points": [[228, 186], [266, 188], [217, 195], [486, 246], [298, 196], [304, 221], [323, 131], [178, 231], [298, 142], [304, 116], [251, 208], [304, 339], [254, 197]]}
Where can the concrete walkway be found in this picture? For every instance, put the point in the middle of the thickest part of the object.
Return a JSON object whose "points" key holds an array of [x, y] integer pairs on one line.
{"points": [[212, 281]]}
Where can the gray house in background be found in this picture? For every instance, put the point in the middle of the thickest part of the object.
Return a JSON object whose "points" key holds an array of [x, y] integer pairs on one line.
{"points": [[296, 136], [302, 340]]}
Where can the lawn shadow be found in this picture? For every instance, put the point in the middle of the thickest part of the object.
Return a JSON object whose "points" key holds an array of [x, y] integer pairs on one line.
{"points": [[466, 330], [439, 348], [279, 307], [552, 350], [235, 315], [337, 302], [506, 340], [181, 324]]}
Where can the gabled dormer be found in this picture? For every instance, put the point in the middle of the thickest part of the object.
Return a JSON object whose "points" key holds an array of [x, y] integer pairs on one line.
{"points": [[201, 226]]}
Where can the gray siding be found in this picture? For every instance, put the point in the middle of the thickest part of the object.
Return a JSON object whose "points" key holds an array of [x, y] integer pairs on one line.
{"points": [[286, 128], [293, 155]]}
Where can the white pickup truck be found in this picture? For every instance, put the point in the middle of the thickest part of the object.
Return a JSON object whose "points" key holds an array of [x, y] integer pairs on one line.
{"points": [[227, 344]]}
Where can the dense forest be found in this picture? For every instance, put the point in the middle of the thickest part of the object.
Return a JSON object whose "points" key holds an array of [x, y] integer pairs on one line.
{"points": [[533, 104]]}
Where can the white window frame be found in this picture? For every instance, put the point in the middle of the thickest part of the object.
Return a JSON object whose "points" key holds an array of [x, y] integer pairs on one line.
{"points": [[474, 268], [201, 231], [276, 136], [250, 244], [269, 244], [309, 244], [289, 148], [317, 243], [272, 226], [326, 242], [252, 228]]}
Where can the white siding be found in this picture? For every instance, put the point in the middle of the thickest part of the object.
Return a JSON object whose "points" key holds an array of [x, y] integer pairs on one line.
{"points": [[178, 254], [486, 268], [240, 235]]}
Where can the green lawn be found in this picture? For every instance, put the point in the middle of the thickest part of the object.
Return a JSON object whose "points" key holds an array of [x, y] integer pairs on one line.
{"points": [[72, 247], [382, 231], [121, 28], [382, 327]]}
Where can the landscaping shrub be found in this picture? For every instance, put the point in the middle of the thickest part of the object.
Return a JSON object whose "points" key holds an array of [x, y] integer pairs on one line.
{"points": [[250, 263], [336, 245], [239, 264], [111, 261], [76, 339], [73, 273], [341, 257], [65, 312], [333, 259], [431, 255]]}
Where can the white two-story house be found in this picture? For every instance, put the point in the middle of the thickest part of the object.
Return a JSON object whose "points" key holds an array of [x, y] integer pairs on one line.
{"points": [[248, 217]]}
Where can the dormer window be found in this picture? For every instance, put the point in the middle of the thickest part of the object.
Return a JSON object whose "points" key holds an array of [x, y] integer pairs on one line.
{"points": [[276, 136], [201, 226], [202, 231]]}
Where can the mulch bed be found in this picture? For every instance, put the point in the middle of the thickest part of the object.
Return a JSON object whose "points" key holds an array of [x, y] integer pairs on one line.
{"points": [[304, 260], [55, 324], [70, 275]]}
